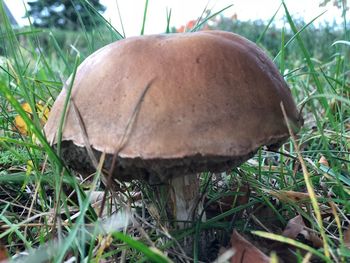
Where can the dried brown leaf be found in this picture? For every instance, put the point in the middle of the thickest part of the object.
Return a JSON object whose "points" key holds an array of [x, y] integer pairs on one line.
{"points": [[243, 199], [347, 238], [245, 252], [315, 240], [3, 254], [291, 196], [297, 227], [294, 227], [323, 161]]}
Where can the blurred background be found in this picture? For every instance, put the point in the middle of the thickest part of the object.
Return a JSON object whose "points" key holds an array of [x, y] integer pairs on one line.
{"points": [[69, 21], [131, 12]]}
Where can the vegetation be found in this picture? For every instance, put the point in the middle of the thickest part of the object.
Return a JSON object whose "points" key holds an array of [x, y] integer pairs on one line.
{"points": [[64, 14], [325, 34], [309, 177]]}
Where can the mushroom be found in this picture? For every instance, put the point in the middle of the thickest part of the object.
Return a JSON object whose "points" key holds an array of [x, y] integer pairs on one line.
{"points": [[204, 101]]}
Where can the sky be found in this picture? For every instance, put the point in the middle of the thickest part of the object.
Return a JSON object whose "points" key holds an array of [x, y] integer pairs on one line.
{"points": [[185, 10]]}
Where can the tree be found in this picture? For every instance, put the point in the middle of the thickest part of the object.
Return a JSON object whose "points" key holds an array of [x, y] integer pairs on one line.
{"points": [[65, 14], [338, 3]]}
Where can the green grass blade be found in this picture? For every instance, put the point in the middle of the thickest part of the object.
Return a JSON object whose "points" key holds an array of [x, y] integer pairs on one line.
{"points": [[168, 17], [297, 33], [292, 242], [261, 36], [342, 42], [21, 143], [152, 254], [205, 20], [282, 64], [110, 26], [144, 18]]}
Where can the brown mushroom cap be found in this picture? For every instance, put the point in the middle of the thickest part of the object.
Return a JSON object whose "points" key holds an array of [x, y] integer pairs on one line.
{"points": [[213, 99]]}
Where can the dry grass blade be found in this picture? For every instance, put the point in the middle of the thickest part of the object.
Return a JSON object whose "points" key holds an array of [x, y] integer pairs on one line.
{"points": [[124, 140], [85, 136], [338, 222], [108, 180], [307, 257], [309, 185], [32, 205]]}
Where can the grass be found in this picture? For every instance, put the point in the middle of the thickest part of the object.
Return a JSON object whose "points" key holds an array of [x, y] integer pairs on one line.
{"points": [[38, 217]]}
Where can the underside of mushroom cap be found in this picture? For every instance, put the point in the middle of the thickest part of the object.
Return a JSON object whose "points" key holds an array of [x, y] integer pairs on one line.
{"points": [[202, 99], [154, 171]]}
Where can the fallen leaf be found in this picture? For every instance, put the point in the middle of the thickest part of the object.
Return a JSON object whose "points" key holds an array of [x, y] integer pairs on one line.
{"points": [[291, 196], [42, 111], [347, 238], [323, 161], [294, 227], [19, 122], [244, 198], [297, 229], [315, 240], [245, 252], [3, 254]]}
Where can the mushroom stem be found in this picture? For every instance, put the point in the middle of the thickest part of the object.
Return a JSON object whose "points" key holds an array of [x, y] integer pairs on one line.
{"points": [[184, 198]]}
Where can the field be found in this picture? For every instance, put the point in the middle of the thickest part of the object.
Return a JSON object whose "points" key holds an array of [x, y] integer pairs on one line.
{"points": [[48, 212]]}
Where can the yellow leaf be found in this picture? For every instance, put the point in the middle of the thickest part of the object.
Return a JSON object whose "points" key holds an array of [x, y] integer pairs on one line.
{"points": [[42, 111], [19, 122], [29, 167]]}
